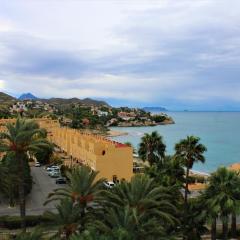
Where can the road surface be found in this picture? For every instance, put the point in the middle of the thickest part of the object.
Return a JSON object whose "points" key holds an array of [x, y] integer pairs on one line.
{"points": [[42, 186]]}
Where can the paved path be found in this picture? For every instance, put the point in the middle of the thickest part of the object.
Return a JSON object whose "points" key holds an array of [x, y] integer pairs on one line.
{"points": [[42, 186]]}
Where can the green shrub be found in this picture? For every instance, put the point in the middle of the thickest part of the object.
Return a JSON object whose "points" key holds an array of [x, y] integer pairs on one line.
{"points": [[14, 222]]}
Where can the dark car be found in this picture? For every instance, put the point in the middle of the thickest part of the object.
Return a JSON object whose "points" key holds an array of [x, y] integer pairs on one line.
{"points": [[61, 180]]}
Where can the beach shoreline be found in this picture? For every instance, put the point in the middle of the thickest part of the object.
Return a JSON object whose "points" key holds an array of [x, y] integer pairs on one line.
{"points": [[116, 133]]}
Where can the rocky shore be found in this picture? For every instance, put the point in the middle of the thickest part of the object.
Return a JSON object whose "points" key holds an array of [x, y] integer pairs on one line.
{"points": [[145, 123]]}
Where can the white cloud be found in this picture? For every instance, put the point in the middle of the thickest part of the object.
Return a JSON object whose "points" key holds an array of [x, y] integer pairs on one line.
{"points": [[139, 50]]}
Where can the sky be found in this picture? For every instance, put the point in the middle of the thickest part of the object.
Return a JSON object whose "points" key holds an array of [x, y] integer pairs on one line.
{"points": [[179, 54]]}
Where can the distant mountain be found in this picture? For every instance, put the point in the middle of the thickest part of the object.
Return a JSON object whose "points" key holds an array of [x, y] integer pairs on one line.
{"points": [[89, 101], [155, 109], [67, 101], [4, 98], [27, 96]]}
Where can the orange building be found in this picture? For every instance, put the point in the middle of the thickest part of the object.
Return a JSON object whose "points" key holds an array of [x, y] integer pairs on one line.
{"points": [[113, 160]]}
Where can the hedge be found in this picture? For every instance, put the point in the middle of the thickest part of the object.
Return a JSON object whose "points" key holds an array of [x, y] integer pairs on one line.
{"points": [[14, 222]]}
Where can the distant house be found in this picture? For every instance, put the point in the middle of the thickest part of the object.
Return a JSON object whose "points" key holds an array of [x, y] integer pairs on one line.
{"points": [[102, 113], [127, 116]]}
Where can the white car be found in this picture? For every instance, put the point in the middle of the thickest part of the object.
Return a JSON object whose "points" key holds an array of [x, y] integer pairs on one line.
{"points": [[109, 184], [37, 164], [54, 174], [52, 171], [51, 168]]}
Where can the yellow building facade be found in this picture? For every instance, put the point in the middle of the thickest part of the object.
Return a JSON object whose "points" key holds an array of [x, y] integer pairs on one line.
{"points": [[113, 160]]}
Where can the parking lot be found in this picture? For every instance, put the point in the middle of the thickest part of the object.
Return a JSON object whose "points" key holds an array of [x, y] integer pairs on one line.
{"points": [[42, 186]]}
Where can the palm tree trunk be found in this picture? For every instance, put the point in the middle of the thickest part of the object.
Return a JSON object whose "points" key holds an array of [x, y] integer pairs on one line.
{"points": [[225, 227], [21, 192], [234, 225], [186, 188], [213, 229]]}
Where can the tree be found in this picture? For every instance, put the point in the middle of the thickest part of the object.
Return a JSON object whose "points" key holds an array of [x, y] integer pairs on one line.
{"points": [[194, 220], [3, 175], [66, 218], [44, 155], [140, 207], [84, 190], [189, 151], [169, 172], [152, 148], [125, 223], [22, 139], [10, 180], [223, 197], [92, 234]]}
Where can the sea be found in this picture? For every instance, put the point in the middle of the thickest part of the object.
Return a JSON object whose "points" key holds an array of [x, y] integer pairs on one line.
{"points": [[218, 131]]}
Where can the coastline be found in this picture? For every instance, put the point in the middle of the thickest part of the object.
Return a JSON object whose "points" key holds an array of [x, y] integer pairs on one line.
{"points": [[115, 133]]}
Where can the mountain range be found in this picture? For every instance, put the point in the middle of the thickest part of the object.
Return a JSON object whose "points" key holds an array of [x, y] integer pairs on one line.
{"points": [[5, 98]]}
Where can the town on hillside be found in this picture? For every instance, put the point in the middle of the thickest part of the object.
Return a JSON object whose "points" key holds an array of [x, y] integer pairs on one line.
{"points": [[80, 114]]}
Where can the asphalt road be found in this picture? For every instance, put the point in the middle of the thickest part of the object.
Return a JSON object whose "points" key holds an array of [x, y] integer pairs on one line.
{"points": [[42, 186]]}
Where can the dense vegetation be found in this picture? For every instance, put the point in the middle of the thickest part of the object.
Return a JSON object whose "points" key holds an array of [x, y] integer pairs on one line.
{"points": [[19, 143], [9, 184], [154, 205]]}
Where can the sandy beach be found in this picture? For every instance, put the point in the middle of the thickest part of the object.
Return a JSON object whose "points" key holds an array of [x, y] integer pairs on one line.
{"points": [[114, 133]]}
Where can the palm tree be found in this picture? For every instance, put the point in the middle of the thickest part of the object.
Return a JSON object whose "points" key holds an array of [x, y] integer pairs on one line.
{"points": [[195, 220], [169, 172], [223, 197], [66, 218], [125, 223], [91, 235], [3, 175], [189, 151], [22, 139], [84, 190], [35, 235], [143, 201], [152, 148]]}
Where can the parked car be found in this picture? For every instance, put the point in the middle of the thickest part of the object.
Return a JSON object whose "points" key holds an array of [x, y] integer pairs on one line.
{"points": [[53, 171], [55, 174], [49, 168], [61, 180], [37, 164], [109, 184], [54, 167]]}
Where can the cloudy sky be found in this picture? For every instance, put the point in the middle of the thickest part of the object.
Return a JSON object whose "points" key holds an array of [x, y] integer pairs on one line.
{"points": [[178, 54]]}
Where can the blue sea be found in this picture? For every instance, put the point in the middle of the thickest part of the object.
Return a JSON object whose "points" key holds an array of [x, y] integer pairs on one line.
{"points": [[219, 132]]}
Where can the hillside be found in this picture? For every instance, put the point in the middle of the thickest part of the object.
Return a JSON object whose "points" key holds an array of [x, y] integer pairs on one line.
{"points": [[89, 101], [5, 98], [64, 101]]}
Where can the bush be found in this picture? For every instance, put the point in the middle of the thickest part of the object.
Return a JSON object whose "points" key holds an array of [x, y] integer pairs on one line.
{"points": [[14, 222], [158, 118]]}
